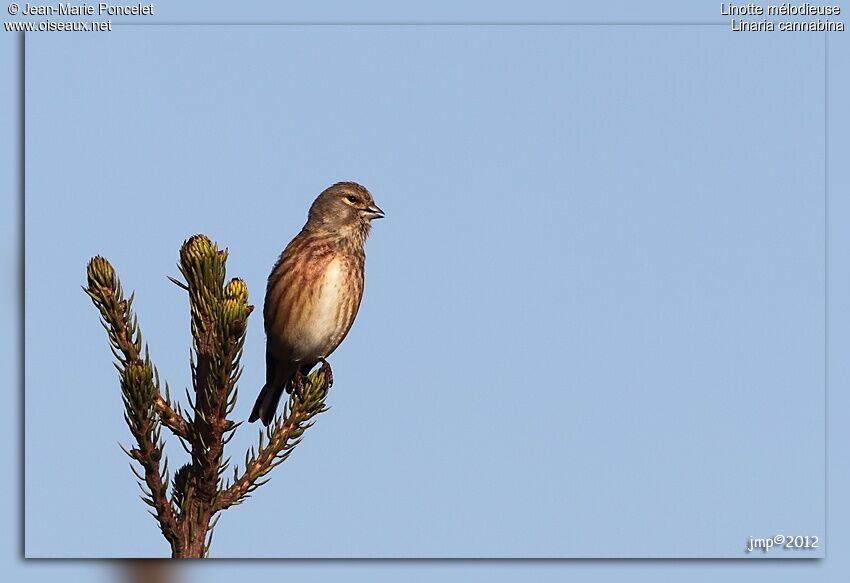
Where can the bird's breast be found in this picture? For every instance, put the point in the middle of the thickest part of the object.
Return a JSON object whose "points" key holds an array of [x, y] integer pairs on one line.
{"points": [[329, 301], [325, 315]]}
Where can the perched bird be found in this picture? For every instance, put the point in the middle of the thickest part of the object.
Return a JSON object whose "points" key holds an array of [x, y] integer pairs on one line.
{"points": [[314, 291]]}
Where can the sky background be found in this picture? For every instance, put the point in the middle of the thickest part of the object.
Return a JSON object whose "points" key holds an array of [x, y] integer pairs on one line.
{"points": [[606, 265], [595, 307]]}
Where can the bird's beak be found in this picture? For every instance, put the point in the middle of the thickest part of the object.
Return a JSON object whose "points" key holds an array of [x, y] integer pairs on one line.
{"points": [[373, 212]]}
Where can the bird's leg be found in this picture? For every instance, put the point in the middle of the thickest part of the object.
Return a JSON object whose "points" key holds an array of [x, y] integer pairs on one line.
{"points": [[297, 383], [329, 374]]}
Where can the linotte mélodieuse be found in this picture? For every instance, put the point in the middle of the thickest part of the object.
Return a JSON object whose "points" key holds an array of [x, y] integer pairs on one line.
{"points": [[819, 25]]}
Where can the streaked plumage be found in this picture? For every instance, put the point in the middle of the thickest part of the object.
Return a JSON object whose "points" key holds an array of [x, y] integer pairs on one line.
{"points": [[314, 290]]}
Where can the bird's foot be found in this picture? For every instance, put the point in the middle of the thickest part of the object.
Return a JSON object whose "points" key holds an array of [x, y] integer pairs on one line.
{"points": [[298, 384], [329, 374]]}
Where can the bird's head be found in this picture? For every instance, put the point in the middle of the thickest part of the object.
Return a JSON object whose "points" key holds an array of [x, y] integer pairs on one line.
{"points": [[344, 208]]}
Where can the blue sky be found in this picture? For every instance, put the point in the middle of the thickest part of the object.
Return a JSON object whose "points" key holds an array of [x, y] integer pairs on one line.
{"points": [[606, 239]]}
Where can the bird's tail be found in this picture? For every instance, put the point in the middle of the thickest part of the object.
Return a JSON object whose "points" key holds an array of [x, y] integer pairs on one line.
{"points": [[266, 404], [277, 379]]}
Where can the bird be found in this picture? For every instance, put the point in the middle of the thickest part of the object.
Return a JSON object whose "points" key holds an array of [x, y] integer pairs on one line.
{"points": [[314, 291]]}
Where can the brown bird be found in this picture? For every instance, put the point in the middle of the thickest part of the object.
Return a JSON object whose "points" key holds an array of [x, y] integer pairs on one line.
{"points": [[314, 291]]}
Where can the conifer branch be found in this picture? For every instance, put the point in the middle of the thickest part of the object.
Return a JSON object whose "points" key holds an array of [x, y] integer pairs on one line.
{"points": [[139, 387], [277, 441], [218, 318], [172, 418]]}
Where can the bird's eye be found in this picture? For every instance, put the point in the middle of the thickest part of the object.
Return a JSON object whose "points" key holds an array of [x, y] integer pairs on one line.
{"points": [[351, 199]]}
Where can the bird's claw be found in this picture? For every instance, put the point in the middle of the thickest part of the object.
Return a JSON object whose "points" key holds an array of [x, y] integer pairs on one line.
{"points": [[329, 374], [298, 384]]}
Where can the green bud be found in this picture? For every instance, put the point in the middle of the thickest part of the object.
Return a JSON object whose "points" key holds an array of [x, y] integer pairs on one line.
{"points": [[197, 247], [100, 273], [236, 289], [233, 311]]}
